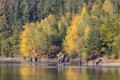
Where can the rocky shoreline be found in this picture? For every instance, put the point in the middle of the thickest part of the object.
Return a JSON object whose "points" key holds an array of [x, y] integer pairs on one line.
{"points": [[104, 61], [12, 60]]}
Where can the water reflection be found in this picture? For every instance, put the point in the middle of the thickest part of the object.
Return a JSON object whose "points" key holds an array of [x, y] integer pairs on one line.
{"points": [[104, 74], [33, 72], [9, 74]]}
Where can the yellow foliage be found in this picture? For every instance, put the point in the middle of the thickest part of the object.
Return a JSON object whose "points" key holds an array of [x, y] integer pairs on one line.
{"points": [[84, 11], [87, 30], [47, 25], [36, 37], [24, 39], [72, 36], [76, 33]]}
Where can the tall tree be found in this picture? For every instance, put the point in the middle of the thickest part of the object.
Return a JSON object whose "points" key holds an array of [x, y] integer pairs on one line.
{"points": [[109, 35], [5, 33], [74, 40]]}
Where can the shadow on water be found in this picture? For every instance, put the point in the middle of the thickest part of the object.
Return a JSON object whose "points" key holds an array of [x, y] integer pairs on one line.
{"points": [[52, 71]]}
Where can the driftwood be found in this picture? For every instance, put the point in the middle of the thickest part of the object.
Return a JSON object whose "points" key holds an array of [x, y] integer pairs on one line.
{"points": [[32, 59], [93, 57], [64, 58]]}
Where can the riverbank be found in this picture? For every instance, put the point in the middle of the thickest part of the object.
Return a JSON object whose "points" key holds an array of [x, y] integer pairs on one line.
{"points": [[13, 60], [104, 61]]}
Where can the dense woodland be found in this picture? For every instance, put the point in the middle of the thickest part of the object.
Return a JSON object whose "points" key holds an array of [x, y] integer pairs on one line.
{"points": [[51, 27]]}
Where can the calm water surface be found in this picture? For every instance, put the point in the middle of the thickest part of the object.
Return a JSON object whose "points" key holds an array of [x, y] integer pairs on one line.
{"points": [[29, 71]]}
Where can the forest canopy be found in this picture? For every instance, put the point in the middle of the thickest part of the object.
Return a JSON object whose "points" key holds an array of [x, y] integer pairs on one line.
{"points": [[50, 27]]}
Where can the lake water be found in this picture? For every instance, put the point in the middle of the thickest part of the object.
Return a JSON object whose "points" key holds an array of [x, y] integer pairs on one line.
{"points": [[44, 71]]}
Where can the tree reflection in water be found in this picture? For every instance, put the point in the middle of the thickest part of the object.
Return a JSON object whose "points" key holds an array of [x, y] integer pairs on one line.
{"points": [[33, 71]]}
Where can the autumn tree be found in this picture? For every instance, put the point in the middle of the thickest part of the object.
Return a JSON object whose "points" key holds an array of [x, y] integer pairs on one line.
{"points": [[39, 36], [24, 39], [63, 24], [76, 33]]}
